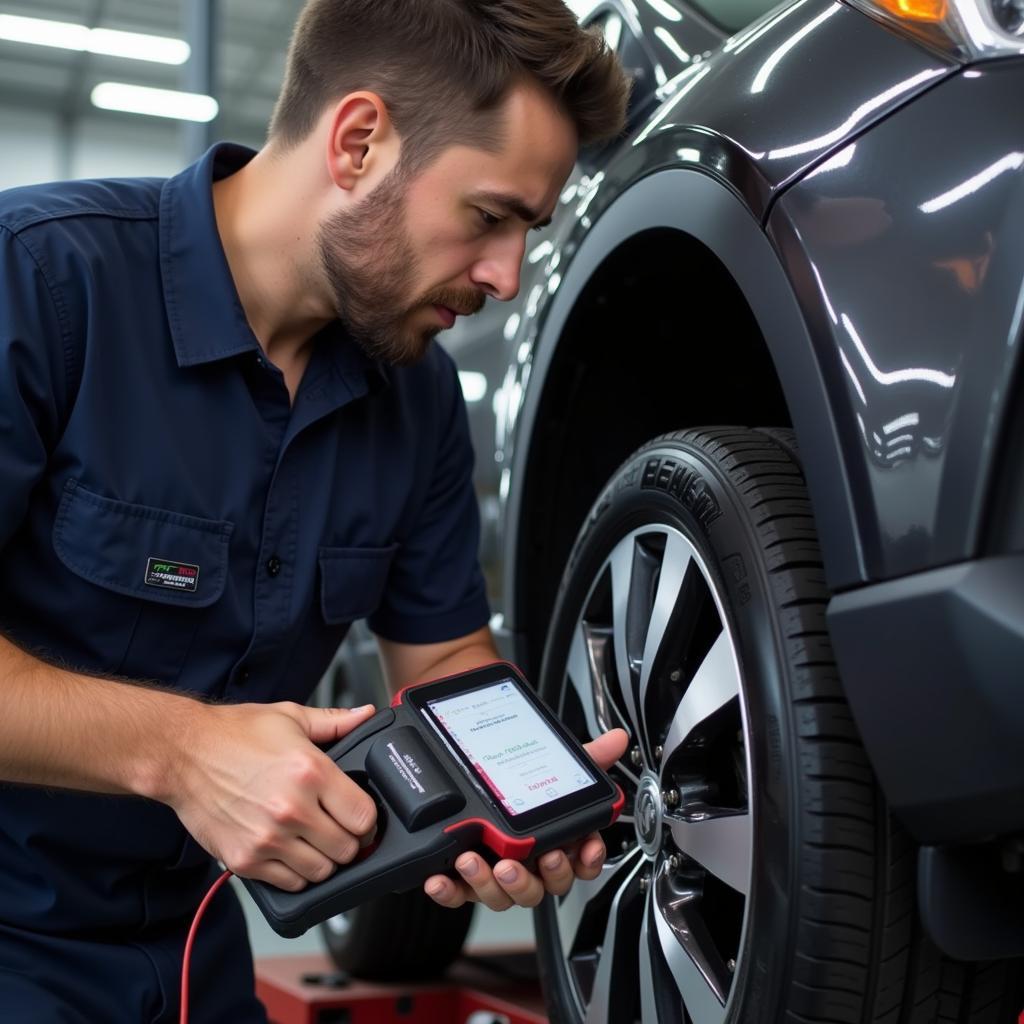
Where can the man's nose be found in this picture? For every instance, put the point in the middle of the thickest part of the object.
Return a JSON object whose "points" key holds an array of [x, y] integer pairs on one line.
{"points": [[498, 273]]}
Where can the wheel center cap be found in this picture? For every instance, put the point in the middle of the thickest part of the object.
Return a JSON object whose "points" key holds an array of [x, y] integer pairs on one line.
{"points": [[648, 816]]}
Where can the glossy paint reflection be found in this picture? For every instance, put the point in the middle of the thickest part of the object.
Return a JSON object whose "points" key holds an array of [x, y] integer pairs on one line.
{"points": [[920, 290], [805, 90], [755, 147]]}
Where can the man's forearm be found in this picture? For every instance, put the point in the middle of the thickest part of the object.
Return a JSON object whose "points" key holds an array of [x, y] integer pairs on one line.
{"points": [[466, 658], [63, 729], [248, 781], [406, 664]]}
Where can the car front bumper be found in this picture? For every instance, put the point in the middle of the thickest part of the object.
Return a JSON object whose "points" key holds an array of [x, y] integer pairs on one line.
{"points": [[933, 667]]}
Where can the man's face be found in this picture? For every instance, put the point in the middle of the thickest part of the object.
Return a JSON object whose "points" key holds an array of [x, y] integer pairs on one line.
{"points": [[414, 254]]}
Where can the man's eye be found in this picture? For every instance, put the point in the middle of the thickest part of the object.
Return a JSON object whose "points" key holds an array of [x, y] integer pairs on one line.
{"points": [[488, 218]]}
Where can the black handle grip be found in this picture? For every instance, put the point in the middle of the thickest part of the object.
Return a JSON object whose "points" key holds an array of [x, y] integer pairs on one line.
{"points": [[397, 861]]}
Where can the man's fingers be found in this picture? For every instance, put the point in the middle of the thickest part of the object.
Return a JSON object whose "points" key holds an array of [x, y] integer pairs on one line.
{"points": [[608, 748], [524, 887], [557, 872], [348, 804], [325, 725], [277, 873], [336, 843], [306, 861], [590, 858], [479, 877], [447, 892]]}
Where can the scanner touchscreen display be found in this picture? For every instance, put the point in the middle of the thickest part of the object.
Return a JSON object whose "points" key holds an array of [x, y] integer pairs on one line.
{"points": [[510, 747]]}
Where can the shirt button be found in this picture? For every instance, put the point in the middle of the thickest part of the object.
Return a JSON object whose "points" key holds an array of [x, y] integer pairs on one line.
{"points": [[273, 565]]}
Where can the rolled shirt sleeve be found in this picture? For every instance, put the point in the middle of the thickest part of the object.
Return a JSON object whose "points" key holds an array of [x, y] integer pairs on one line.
{"points": [[435, 590]]}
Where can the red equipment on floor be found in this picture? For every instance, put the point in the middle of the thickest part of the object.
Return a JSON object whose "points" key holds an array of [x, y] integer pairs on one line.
{"points": [[484, 987]]}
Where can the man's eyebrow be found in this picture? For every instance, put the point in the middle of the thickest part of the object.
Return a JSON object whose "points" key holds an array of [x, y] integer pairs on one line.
{"points": [[516, 205]]}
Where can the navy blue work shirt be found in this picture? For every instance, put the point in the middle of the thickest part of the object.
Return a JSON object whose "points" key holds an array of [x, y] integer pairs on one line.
{"points": [[166, 513]]}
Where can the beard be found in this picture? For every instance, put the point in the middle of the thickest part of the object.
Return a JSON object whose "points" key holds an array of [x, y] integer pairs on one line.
{"points": [[369, 264]]}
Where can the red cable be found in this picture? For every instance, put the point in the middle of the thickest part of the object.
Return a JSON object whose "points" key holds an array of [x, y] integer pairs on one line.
{"points": [[191, 938]]}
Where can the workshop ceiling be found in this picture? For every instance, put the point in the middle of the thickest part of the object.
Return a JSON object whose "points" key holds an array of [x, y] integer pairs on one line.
{"points": [[252, 41]]}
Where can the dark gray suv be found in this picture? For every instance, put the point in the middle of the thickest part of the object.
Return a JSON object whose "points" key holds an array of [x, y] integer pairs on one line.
{"points": [[750, 459]]}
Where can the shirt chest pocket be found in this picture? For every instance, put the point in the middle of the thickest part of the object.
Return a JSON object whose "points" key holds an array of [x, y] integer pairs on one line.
{"points": [[352, 581], [169, 566]]}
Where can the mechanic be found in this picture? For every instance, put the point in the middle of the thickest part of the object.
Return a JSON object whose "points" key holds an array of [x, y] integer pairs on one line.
{"points": [[225, 435]]}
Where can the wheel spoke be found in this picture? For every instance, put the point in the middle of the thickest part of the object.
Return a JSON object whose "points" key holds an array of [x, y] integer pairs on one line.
{"points": [[583, 681], [586, 674], [572, 907], [675, 563], [714, 683], [622, 560], [648, 1004], [691, 958], [615, 948], [719, 840]]}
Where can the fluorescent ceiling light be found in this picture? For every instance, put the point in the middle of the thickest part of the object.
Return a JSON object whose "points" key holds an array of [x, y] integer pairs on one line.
{"points": [[67, 36], [158, 49], [666, 10], [474, 385], [138, 99]]}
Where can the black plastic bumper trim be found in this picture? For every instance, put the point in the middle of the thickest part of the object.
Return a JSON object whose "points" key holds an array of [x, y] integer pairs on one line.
{"points": [[933, 667], [971, 907]]}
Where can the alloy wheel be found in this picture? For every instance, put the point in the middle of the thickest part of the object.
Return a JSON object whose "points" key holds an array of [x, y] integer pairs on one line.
{"points": [[659, 935]]}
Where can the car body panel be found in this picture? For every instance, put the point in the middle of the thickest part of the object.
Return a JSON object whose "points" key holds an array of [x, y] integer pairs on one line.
{"points": [[812, 96], [910, 248], [696, 204], [753, 153], [805, 89]]}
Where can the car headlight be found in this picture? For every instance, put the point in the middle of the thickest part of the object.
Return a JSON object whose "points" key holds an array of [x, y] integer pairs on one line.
{"points": [[965, 29]]}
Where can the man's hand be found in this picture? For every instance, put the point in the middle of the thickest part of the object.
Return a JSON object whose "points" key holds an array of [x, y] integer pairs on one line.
{"points": [[255, 792], [509, 882]]}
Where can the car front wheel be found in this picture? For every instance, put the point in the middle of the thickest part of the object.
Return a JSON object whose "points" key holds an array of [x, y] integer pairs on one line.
{"points": [[755, 873]]}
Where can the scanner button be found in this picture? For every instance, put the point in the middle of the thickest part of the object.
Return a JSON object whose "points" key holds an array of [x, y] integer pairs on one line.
{"points": [[411, 780]]}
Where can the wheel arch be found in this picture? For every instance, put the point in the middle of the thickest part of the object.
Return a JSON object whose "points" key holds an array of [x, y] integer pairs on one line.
{"points": [[684, 230]]}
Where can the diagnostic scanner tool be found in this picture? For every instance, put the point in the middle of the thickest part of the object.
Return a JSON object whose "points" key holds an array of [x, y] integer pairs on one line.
{"points": [[475, 761]]}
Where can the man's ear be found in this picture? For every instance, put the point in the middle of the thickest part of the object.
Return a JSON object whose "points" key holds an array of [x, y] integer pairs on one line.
{"points": [[362, 143]]}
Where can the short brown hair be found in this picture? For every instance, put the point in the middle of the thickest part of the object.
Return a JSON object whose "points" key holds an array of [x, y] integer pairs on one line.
{"points": [[441, 66]]}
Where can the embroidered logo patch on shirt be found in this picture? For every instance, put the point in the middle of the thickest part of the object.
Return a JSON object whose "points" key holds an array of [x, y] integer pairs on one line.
{"points": [[171, 575]]}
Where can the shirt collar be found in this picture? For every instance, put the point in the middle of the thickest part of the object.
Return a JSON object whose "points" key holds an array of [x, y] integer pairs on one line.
{"points": [[203, 309], [204, 312]]}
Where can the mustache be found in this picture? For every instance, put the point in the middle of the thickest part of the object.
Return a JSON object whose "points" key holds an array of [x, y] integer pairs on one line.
{"points": [[464, 301]]}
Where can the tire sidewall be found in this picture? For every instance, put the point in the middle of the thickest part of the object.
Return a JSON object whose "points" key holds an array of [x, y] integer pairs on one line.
{"points": [[711, 515]]}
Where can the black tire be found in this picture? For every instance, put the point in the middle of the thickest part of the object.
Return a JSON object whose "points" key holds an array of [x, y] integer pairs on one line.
{"points": [[808, 914], [399, 937]]}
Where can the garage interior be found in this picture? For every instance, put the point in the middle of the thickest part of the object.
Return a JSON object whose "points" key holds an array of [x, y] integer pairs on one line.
{"points": [[661, 362]]}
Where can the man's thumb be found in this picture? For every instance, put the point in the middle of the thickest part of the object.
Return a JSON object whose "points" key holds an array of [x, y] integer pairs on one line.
{"points": [[324, 725], [608, 747]]}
